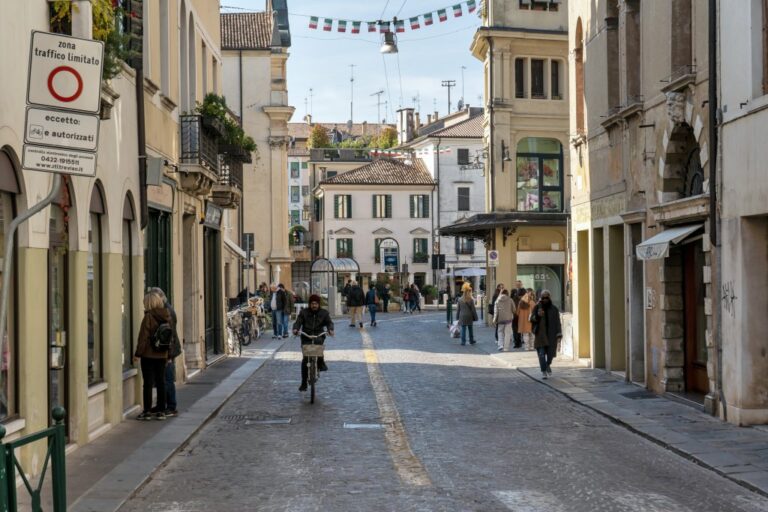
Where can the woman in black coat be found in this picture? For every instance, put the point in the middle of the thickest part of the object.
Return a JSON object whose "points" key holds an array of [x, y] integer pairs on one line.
{"points": [[547, 331]]}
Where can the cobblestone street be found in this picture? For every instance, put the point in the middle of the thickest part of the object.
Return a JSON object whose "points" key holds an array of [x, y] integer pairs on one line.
{"points": [[407, 419]]}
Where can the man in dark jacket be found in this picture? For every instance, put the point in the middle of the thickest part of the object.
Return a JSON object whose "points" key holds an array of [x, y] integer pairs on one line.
{"points": [[385, 296], [548, 332], [277, 305], [355, 301], [312, 321]]}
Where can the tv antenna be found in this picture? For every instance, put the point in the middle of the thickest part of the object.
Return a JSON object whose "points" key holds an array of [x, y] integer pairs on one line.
{"points": [[378, 104], [352, 92], [449, 84]]}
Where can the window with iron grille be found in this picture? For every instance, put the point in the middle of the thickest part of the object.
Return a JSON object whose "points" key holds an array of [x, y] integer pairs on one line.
{"points": [[295, 217], [382, 206], [344, 248], [463, 199], [463, 156], [465, 246], [342, 206], [295, 196], [537, 79], [295, 170], [420, 206]]}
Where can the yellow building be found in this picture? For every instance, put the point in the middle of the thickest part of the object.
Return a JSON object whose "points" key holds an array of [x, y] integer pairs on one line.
{"points": [[525, 56]]}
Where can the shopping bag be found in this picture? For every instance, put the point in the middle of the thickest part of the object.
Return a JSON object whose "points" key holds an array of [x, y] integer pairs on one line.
{"points": [[455, 329]]}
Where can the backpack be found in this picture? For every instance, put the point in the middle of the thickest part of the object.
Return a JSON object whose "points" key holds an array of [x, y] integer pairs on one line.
{"points": [[162, 338]]}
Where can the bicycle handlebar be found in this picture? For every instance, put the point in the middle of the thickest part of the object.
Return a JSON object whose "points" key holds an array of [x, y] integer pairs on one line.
{"points": [[302, 333]]}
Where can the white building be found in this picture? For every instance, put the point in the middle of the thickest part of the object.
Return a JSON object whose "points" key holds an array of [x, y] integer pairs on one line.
{"points": [[362, 207], [453, 156]]}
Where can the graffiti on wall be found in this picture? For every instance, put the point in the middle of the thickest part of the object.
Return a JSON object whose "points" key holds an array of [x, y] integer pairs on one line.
{"points": [[729, 298]]}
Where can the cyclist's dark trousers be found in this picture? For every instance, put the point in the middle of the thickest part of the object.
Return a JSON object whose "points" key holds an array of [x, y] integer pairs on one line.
{"points": [[304, 369]]}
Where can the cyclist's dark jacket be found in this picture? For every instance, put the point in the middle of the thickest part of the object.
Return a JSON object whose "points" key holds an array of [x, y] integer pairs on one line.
{"points": [[312, 323]]}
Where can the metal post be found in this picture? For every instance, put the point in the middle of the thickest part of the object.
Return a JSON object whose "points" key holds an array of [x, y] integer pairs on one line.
{"points": [[10, 237], [58, 462], [4, 505]]}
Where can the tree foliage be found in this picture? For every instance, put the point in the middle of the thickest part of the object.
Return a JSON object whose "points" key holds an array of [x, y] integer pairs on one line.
{"points": [[387, 138], [319, 137]]}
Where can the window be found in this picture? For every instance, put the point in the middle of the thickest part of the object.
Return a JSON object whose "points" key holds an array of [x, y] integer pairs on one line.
{"points": [[579, 58], [420, 206], [465, 246], [94, 288], [330, 174], [382, 206], [539, 175], [765, 46], [463, 155], [554, 82], [295, 194], [540, 5], [127, 287], [295, 172], [304, 190], [681, 44], [344, 248], [157, 251], [463, 199], [420, 250], [304, 165], [633, 46], [318, 206], [520, 78], [537, 79], [295, 217], [342, 206], [612, 56]]}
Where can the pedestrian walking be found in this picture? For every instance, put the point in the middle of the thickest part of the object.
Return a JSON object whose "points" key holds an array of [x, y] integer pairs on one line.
{"points": [[290, 300], [503, 315], [386, 294], [548, 332], [171, 407], [467, 315], [355, 300], [414, 297], [312, 321], [491, 305], [524, 325], [152, 347], [519, 293], [277, 305], [406, 299], [372, 301]]}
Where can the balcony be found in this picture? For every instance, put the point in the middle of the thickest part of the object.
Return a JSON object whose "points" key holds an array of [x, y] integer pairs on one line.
{"points": [[228, 191], [199, 169]]}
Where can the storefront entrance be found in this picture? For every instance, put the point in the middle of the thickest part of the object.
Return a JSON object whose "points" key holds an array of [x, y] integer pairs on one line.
{"points": [[212, 292], [696, 380], [543, 277]]}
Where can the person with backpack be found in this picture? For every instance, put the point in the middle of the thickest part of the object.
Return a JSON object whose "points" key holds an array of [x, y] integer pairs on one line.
{"points": [[174, 352], [355, 301], [467, 315], [372, 301], [153, 348]]}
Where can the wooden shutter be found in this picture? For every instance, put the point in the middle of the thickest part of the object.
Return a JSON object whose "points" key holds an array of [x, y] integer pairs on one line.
{"points": [[348, 199], [350, 252], [373, 206], [336, 206], [413, 206], [425, 207], [388, 206]]}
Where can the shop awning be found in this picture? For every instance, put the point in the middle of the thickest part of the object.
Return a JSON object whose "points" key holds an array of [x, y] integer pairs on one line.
{"points": [[337, 265], [657, 247], [469, 272], [240, 252], [480, 225]]}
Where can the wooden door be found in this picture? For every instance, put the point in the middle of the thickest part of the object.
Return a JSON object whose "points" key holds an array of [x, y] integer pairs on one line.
{"points": [[694, 319]]}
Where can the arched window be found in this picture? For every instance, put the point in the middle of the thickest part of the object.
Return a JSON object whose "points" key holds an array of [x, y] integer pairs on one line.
{"points": [[8, 190], [578, 52], [127, 284], [95, 288], [540, 175]]}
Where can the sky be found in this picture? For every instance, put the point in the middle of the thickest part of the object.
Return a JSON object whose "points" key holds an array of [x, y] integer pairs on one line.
{"points": [[321, 60]]}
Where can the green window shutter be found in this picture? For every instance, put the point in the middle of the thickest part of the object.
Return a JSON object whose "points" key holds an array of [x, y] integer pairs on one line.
{"points": [[413, 206], [389, 206], [350, 252], [349, 206], [377, 250], [426, 206], [336, 207], [338, 247], [374, 206]]}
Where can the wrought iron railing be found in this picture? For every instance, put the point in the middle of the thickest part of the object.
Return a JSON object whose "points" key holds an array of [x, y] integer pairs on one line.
{"points": [[197, 146], [56, 438], [231, 172]]}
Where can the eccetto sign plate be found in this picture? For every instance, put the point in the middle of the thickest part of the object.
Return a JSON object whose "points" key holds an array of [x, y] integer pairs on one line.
{"points": [[62, 161], [68, 130], [65, 72]]}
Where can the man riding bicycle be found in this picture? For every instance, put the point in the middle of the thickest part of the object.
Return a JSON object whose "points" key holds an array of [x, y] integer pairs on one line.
{"points": [[312, 321]]}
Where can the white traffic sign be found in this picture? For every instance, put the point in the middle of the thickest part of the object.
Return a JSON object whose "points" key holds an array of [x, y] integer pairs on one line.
{"points": [[60, 128], [65, 72], [493, 258], [63, 161]]}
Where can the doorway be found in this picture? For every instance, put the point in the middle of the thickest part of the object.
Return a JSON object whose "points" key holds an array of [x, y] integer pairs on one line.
{"points": [[636, 308], [695, 323], [189, 292], [212, 292], [58, 292]]}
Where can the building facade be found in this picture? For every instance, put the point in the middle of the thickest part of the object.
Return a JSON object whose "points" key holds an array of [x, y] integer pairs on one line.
{"points": [[640, 166]]}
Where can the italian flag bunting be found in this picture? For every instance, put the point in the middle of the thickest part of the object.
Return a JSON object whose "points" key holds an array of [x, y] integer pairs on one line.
{"points": [[428, 19], [471, 5], [415, 23], [327, 24], [342, 25], [313, 22], [442, 15], [457, 11], [400, 26], [384, 27], [356, 27], [371, 26]]}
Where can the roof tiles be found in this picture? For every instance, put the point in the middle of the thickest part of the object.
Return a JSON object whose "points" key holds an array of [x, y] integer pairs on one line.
{"points": [[246, 31], [385, 172]]}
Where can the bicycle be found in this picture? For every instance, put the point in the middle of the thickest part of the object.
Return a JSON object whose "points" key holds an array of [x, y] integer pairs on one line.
{"points": [[234, 326], [312, 352]]}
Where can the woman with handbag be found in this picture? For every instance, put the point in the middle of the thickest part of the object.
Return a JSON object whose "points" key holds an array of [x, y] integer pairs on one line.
{"points": [[467, 315]]}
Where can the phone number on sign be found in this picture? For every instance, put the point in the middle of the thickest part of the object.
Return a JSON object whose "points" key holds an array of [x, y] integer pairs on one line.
{"points": [[57, 160]]}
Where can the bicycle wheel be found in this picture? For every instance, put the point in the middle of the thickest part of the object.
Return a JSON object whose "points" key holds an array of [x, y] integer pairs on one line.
{"points": [[246, 332], [312, 379]]}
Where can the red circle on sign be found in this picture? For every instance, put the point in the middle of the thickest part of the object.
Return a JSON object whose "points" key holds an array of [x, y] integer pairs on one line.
{"points": [[74, 73]]}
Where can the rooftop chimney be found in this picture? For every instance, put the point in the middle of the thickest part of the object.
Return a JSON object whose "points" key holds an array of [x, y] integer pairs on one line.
{"points": [[435, 117], [417, 121], [308, 117], [429, 118], [404, 125]]}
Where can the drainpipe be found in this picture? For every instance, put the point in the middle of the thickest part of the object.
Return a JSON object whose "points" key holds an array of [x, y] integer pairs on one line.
{"points": [[241, 218], [713, 143], [490, 143], [142, 142], [437, 204]]}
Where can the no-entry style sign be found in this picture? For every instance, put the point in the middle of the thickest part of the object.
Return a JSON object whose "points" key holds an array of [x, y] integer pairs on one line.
{"points": [[65, 72]]}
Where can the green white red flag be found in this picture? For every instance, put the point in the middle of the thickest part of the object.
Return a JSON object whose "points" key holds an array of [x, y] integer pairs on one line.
{"points": [[384, 27], [428, 19], [457, 11], [342, 26], [442, 15], [328, 24], [371, 26], [400, 26], [471, 5], [356, 27], [415, 23], [313, 22]]}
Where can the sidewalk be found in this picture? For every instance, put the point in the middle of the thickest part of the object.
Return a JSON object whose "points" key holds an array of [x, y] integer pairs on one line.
{"points": [[103, 474], [737, 453]]}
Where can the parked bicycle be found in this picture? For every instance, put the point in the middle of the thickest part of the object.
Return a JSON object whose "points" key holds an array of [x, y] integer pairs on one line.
{"points": [[313, 352], [242, 327]]}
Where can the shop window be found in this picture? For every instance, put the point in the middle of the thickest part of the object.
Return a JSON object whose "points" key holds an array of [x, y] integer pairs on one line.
{"points": [[94, 290], [342, 206], [420, 279], [420, 206], [463, 156], [295, 194], [127, 288], [8, 395], [520, 77], [539, 175], [420, 250], [543, 277], [537, 79], [344, 248], [295, 170], [382, 206], [463, 199], [465, 246]]}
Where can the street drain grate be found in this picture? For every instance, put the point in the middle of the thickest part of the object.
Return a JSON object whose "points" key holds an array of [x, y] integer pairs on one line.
{"points": [[364, 426], [255, 420], [276, 421], [639, 395]]}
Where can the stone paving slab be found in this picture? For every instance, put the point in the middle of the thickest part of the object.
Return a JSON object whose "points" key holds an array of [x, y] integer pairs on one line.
{"points": [[737, 453], [107, 485]]}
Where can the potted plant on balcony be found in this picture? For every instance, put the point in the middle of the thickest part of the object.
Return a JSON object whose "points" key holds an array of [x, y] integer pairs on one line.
{"points": [[213, 111], [420, 257], [236, 143]]}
